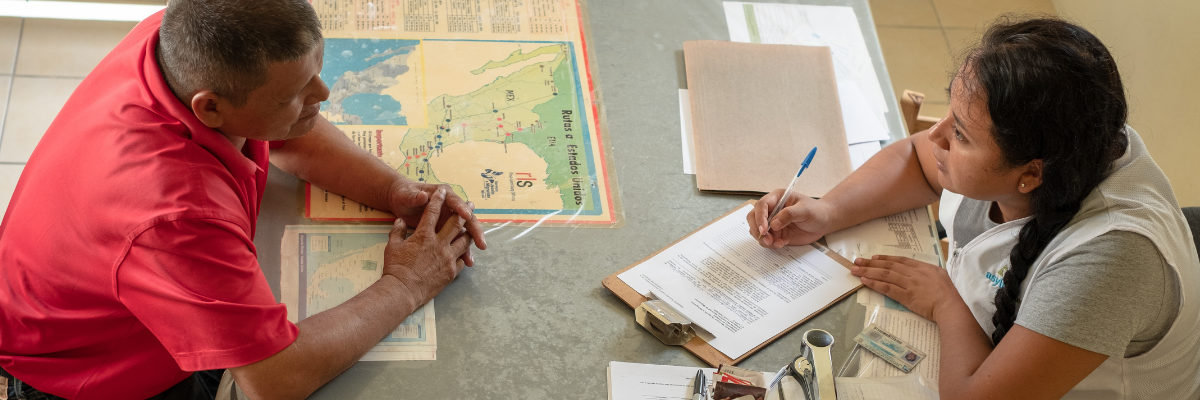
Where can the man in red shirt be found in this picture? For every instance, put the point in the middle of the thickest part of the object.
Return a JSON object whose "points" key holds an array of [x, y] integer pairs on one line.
{"points": [[127, 249]]}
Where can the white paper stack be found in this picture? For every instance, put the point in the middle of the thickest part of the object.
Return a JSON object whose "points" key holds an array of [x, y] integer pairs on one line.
{"points": [[864, 110]]}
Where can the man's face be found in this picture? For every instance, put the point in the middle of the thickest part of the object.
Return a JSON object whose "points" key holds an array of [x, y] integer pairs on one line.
{"points": [[286, 106]]}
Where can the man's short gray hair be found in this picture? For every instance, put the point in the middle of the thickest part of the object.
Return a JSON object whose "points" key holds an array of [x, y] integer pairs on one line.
{"points": [[225, 46]]}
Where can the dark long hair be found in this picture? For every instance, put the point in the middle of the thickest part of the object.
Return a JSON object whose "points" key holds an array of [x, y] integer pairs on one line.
{"points": [[1054, 94]]}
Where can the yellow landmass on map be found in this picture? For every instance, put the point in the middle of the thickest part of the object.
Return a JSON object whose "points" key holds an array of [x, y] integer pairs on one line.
{"points": [[355, 268], [410, 91], [494, 113], [516, 57], [468, 163], [456, 60]]}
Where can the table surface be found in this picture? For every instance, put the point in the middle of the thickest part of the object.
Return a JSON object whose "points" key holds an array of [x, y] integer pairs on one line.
{"points": [[531, 319]]}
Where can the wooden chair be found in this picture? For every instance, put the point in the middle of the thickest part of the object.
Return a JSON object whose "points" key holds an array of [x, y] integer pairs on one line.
{"points": [[1192, 215], [910, 108]]}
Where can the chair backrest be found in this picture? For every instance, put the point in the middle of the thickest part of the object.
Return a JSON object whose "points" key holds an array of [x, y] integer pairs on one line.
{"points": [[1192, 215], [910, 108]]}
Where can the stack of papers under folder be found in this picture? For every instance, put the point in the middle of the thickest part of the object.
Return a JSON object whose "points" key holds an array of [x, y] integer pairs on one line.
{"points": [[859, 93]]}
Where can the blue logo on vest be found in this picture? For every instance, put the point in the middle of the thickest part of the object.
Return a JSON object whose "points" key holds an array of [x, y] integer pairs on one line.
{"points": [[997, 280]]}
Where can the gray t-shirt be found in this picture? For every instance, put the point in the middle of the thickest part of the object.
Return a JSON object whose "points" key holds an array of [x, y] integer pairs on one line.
{"points": [[1114, 294]]}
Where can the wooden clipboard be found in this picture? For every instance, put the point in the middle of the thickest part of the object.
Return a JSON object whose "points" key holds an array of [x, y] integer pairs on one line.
{"points": [[698, 346]]}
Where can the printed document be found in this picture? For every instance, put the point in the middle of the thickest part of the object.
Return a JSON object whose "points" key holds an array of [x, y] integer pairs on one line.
{"points": [[910, 230], [629, 381], [906, 387], [737, 291], [322, 266], [914, 330]]}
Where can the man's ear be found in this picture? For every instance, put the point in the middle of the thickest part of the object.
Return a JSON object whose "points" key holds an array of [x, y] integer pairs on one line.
{"points": [[210, 108], [1031, 178]]}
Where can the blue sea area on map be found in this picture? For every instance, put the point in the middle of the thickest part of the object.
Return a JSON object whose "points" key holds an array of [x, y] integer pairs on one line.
{"points": [[343, 55], [375, 109]]}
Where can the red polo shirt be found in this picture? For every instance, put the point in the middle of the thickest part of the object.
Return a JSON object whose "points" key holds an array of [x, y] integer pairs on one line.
{"points": [[127, 250]]}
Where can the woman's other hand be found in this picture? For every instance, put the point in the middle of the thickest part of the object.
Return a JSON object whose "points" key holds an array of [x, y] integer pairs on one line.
{"points": [[922, 287]]}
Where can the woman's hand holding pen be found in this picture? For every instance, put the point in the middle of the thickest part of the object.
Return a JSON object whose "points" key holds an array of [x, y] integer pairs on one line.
{"points": [[802, 221]]}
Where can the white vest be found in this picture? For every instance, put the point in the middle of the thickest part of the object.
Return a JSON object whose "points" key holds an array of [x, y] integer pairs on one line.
{"points": [[1137, 198]]}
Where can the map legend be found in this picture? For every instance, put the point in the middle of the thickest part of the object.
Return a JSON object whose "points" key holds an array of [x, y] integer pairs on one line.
{"points": [[506, 16], [420, 15], [463, 16]]}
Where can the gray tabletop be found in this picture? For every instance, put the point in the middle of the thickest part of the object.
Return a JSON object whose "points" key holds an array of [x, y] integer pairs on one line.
{"points": [[531, 320]]}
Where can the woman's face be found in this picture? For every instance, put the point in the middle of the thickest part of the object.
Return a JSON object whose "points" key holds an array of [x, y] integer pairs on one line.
{"points": [[969, 161]]}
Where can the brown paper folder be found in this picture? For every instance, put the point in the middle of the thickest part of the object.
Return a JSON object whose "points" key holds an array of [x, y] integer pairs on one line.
{"points": [[698, 346], [757, 109]]}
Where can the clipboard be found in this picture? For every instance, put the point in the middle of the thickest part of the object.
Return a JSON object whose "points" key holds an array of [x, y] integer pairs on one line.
{"points": [[697, 345]]}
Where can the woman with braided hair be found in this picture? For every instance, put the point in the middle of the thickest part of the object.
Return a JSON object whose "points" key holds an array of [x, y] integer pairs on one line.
{"points": [[1072, 272]]}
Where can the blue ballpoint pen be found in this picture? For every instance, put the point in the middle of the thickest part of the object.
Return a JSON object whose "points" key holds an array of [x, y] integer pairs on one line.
{"points": [[791, 186]]}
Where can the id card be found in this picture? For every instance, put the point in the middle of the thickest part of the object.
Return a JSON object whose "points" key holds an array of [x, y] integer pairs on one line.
{"points": [[890, 348]]}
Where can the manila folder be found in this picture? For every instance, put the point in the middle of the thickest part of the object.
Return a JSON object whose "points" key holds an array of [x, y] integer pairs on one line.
{"points": [[757, 109]]}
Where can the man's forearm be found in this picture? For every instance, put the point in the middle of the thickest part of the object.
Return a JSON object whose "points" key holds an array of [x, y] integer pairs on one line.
{"points": [[890, 182], [341, 335], [329, 343], [327, 158]]}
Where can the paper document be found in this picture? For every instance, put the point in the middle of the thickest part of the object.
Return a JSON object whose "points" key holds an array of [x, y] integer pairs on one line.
{"points": [[629, 381], [862, 125], [741, 293], [910, 230], [861, 152], [832, 26], [909, 387], [685, 133], [870, 298], [322, 266], [914, 330]]}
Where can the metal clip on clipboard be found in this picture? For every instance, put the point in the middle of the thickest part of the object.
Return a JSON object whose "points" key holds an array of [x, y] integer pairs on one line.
{"points": [[666, 324]]}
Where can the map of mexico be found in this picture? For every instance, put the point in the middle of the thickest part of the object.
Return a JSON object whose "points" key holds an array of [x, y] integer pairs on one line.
{"points": [[509, 124]]}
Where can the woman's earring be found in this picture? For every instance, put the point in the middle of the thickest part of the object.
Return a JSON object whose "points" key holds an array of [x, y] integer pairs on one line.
{"points": [[1022, 185]]}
